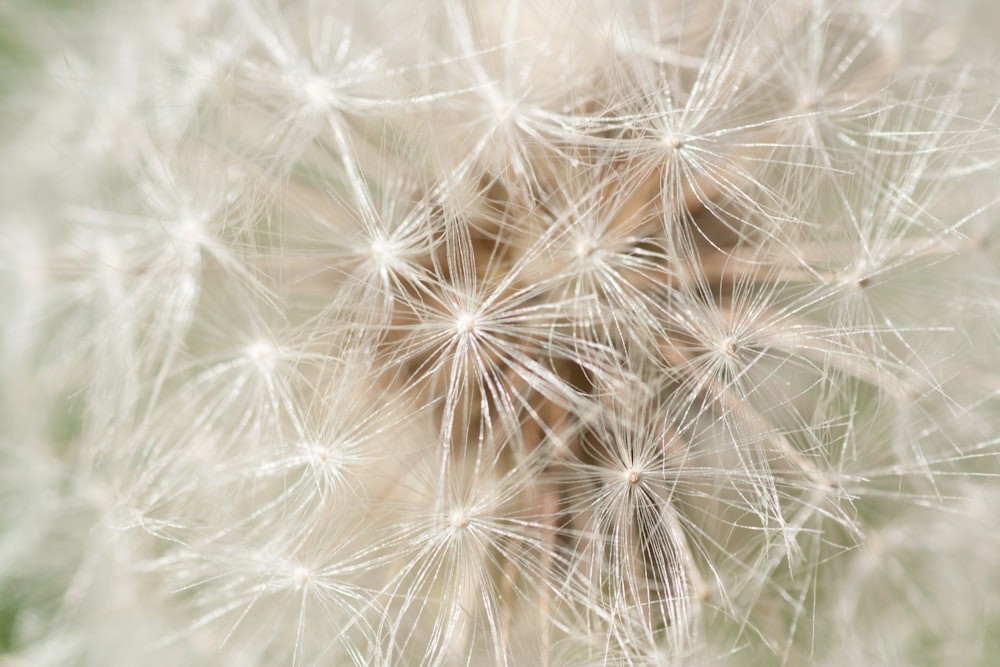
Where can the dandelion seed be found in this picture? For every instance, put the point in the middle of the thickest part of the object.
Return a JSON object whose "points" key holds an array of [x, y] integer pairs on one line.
{"points": [[673, 142], [263, 354], [459, 520], [466, 324], [301, 576]]}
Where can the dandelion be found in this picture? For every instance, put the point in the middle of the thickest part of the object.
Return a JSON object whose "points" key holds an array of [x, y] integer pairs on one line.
{"points": [[590, 333]]}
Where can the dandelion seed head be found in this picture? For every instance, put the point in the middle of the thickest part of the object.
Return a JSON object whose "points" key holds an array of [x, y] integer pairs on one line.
{"points": [[498, 333]]}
